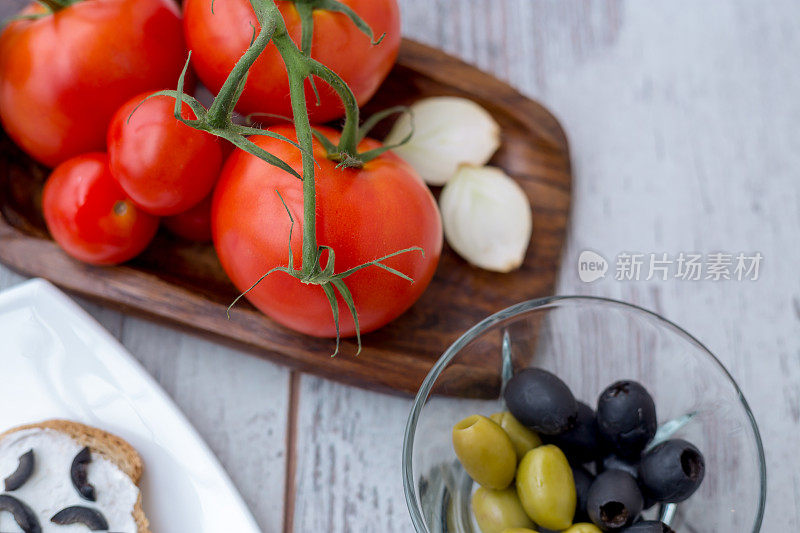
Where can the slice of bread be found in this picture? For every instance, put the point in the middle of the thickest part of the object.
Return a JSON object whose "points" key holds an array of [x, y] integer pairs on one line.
{"points": [[108, 446]]}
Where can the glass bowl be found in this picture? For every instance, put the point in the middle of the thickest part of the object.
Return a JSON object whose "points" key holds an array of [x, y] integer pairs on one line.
{"points": [[589, 343]]}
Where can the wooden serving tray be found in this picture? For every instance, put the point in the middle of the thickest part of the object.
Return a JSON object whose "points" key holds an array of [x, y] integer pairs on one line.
{"points": [[183, 284]]}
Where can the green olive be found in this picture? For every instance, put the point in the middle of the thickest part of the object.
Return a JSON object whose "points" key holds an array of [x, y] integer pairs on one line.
{"points": [[546, 487], [518, 530], [523, 439], [485, 452], [498, 510], [583, 527]]}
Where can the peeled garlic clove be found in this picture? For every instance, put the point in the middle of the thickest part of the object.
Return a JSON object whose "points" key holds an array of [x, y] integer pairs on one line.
{"points": [[448, 132], [487, 218]]}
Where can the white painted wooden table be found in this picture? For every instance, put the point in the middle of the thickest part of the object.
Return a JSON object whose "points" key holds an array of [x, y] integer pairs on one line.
{"points": [[683, 118]]}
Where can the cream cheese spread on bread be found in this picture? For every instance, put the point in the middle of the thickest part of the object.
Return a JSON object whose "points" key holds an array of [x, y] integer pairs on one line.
{"points": [[50, 489]]}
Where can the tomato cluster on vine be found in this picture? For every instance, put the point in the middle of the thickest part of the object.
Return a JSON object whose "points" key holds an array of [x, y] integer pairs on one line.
{"points": [[87, 88]]}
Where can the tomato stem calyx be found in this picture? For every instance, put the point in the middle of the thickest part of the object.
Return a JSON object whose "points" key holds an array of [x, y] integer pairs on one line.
{"points": [[355, 159], [327, 279], [306, 8], [120, 208]]}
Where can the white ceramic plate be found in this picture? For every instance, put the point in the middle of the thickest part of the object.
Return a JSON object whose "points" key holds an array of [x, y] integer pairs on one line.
{"points": [[57, 362]]}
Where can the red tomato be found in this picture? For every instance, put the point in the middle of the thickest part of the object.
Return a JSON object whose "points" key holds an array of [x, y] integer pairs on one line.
{"points": [[165, 166], [363, 214], [194, 224], [63, 76], [218, 39], [90, 217]]}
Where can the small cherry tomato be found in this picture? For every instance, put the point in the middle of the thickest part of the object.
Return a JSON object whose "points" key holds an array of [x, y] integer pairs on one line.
{"points": [[165, 166], [89, 215], [194, 224]]}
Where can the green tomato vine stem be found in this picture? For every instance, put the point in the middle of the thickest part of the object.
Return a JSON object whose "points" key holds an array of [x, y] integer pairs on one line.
{"points": [[300, 66], [297, 70], [221, 110]]}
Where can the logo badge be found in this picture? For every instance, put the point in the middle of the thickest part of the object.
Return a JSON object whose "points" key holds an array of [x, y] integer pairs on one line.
{"points": [[591, 266]]}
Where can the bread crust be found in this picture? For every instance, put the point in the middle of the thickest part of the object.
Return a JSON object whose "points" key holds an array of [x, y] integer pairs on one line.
{"points": [[108, 446]]}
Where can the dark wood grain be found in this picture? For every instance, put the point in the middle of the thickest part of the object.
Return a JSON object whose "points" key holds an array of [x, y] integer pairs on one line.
{"points": [[183, 284]]}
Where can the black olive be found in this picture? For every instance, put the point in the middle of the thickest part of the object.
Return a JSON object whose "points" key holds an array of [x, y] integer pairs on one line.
{"points": [[541, 401], [22, 473], [581, 444], [583, 481], [626, 418], [614, 500], [672, 471], [81, 515], [23, 515], [613, 462], [650, 526], [78, 473]]}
